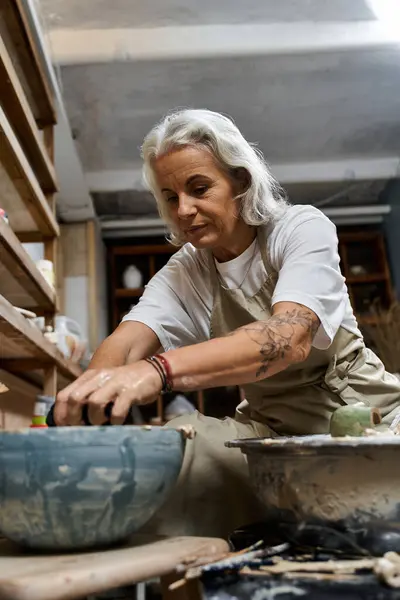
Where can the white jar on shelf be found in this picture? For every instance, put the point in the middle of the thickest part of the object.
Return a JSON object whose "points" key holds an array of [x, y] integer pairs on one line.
{"points": [[132, 277]]}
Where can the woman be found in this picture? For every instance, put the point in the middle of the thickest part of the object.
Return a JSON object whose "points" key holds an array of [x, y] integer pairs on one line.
{"points": [[253, 298]]}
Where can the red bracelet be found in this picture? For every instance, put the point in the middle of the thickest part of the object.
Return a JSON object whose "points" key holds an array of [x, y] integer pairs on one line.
{"points": [[167, 371]]}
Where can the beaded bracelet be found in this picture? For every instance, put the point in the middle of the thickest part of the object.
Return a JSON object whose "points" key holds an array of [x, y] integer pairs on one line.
{"points": [[164, 370]]}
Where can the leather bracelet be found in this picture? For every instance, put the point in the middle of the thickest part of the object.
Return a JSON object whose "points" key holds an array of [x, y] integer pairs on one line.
{"points": [[163, 371], [167, 371], [159, 370]]}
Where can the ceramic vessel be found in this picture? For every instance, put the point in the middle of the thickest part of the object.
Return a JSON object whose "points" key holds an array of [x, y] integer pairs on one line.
{"points": [[82, 487], [132, 277], [346, 482]]}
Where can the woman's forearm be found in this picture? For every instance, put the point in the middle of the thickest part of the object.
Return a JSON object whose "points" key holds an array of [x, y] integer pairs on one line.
{"points": [[131, 341], [251, 353]]}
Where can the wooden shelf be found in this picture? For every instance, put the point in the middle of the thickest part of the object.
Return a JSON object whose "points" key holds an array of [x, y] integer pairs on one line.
{"points": [[147, 249], [129, 292], [374, 287], [368, 278], [29, 192], [16, 33], [22, 283], [368, 319], [359, 236], [19, 114], [29, 363], [23, 348], [20, 386]]}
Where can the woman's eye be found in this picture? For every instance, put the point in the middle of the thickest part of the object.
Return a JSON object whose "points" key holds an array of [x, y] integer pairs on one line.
{"points": [[201, 189], [172, 199]]}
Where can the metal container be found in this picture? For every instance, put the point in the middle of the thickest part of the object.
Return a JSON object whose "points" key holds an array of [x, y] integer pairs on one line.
{"points": [[346, 482]]}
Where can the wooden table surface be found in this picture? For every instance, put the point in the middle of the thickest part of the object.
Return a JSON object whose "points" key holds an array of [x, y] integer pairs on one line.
{"points": [[32, 576]]}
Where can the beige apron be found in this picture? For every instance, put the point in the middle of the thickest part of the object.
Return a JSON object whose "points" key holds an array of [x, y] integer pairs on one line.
{"points": [[213, 495]]}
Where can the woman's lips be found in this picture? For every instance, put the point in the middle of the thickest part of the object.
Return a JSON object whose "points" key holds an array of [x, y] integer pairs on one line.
{"points": [[195, 229]]}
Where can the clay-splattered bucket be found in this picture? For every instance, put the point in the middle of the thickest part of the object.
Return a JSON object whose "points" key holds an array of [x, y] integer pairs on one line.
{"points": [[347, 482]]}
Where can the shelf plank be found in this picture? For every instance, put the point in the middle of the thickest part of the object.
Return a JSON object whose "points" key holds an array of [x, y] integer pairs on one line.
{"points": [[28, 383], [20, 339], [368, 278], [359, 236], [16, 33], [17, 109], [21, 282], [129, 292], [19, 385], [368, 319], [148, 249], [25, 183]]}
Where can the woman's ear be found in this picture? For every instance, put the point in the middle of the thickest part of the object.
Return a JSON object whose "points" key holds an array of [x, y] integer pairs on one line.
{"points": [[242, 180]]}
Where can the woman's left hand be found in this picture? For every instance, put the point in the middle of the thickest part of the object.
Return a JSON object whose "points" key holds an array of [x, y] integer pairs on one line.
{"points": [[136, 383]]}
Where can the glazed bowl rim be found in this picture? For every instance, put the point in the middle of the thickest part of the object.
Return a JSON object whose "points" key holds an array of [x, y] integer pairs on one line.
{"points": [[81, 428]]}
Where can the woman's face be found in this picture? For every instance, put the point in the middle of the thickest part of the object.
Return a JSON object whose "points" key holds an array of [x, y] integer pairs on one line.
{"points": [[199, 197]]}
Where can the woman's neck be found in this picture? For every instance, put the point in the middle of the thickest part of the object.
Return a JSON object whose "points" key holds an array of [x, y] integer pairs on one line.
{"points": [[239, 242]]}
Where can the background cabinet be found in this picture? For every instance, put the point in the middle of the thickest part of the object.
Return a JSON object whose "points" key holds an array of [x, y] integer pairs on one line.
{"points": [[365, 266], [148, 258]]}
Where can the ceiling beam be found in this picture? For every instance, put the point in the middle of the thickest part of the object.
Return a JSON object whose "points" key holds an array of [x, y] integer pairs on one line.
{"points": [[115, 180], [346, 170], [377, 210], [118, 232], [343, 215], [84, 46]]}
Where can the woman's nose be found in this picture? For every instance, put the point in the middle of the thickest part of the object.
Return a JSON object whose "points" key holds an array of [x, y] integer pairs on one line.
{"points": [[186, 206]]}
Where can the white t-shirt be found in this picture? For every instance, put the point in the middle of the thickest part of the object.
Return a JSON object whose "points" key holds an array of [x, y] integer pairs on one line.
{"points": [[302, 247]]}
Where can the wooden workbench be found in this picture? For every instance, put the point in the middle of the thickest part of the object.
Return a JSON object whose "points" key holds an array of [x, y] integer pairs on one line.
{"points": [[31, 576]]}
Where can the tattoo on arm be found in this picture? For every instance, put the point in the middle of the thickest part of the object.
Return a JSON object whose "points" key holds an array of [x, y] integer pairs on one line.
{"points": [[276, 336]]}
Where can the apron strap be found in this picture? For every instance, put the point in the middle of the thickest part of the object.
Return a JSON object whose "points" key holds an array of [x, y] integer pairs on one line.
{"points": [[213, 273], [262, 244]]}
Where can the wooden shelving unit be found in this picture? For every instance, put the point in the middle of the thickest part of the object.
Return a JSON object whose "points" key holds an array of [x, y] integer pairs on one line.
{"points": [[149, 258], [128, 292], [22, 197], [22, 283], [29, 363], [17, 36], [16, 104], [365, 266], [25, 349]]}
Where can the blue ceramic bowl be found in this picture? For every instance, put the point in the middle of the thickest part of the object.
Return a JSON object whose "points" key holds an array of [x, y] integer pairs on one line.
{"points": [[82, 487]]}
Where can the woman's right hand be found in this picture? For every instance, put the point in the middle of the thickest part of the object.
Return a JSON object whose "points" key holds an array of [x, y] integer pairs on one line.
{"points": [[136, 383]]}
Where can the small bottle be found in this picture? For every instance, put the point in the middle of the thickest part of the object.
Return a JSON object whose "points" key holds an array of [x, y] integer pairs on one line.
{"points": [[40, 412]]}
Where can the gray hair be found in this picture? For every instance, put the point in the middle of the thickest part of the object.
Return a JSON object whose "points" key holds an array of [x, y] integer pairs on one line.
{"points": [[262, 202]]}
